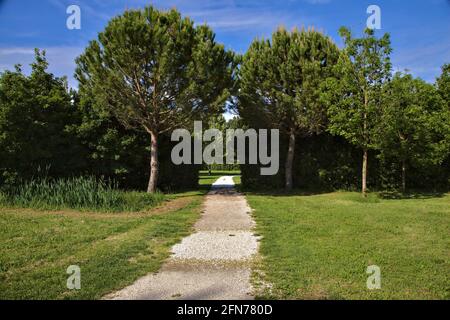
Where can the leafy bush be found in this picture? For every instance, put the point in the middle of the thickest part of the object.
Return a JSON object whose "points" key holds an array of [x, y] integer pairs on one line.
{"points": [[82, 193]]}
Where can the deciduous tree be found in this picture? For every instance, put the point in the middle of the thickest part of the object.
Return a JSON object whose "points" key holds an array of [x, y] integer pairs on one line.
{"points": [[35, 115], [415, 124], [364, 67], [443, 84]]}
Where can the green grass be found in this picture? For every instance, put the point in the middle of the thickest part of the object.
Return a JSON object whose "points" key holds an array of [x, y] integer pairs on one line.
{"points": [[112, 250], [81, 193], [319, 246], [313, 246]]}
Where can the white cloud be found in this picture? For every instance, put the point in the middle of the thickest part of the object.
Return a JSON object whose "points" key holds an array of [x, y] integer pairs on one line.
{"points": [[84, 7], [15, 51], [318, 1], [422, 61], [61, 60], [241, 20], [258, 17]]}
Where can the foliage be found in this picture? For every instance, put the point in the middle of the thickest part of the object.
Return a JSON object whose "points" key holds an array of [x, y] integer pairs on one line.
{"points": [[280, 82], [120, 154], [218, 122], [156, 72], [415, 124], [443, 83], [82, 193], [363, 68], [112, 151], [327, 163], [35, 115], [355, 96], [49, 131]]}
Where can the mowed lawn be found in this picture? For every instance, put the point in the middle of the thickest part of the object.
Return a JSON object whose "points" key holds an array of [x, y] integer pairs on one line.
{"points": [[112, 250], [319, 246], [206, 179]]}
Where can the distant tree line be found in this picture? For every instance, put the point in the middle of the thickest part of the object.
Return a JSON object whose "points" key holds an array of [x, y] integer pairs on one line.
{"points": [[346, 120]]}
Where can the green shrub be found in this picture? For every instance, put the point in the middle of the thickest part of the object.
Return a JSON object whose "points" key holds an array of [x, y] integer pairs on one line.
{"points": [[82, 193]]}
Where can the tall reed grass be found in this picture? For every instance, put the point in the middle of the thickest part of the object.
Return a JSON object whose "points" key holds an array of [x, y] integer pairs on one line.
{"points": [[82, 193]]}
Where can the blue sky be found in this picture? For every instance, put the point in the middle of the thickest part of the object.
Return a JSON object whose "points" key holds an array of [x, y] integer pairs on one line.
{"points": [[420, 29]]}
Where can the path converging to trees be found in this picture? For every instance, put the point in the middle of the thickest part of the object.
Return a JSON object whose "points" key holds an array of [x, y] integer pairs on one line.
{"points": [[214, 261]]}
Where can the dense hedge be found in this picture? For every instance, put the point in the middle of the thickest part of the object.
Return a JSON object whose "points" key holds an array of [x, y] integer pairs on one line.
{"points": [[326, 162], [175, 177]]}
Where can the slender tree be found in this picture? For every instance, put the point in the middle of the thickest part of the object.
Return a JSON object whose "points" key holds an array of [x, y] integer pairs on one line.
{"points": [[443, 84], [280, 82], [414, 124], [364, 67], [156, 71]]}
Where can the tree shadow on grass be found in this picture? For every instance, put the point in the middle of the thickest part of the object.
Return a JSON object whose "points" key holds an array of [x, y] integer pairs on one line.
{"points": [[283, 193], [381, 195], [412, 195]]}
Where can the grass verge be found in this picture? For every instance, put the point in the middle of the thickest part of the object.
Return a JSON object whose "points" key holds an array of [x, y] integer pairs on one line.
{"points": [[81, 193], [319, 246]]}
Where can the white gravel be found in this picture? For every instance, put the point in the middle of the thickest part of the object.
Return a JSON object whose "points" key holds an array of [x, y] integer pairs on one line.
{"points": [[225, 212], [213, 262], [190, 282], [217, 245]]}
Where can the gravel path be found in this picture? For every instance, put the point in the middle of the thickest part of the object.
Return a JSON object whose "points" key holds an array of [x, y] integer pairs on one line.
{"points": [[212, 263]]}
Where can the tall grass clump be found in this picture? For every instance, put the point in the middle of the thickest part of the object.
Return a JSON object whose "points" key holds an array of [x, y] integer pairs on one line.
{"points": [[82, 193]]}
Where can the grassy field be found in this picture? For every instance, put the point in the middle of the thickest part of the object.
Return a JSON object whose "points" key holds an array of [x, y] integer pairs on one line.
{"points": [[313, 246], [112, 250], [319, 246], [206, 179]]}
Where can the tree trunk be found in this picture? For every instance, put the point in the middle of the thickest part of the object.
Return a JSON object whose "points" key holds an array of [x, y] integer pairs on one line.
{"points": [[154, 164], [403, 176], [365, 152], [290, 161], [364, 172]]}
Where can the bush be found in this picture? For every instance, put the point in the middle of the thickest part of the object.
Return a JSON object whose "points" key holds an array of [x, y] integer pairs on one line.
{"points": [[82, 193]]}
